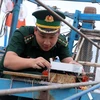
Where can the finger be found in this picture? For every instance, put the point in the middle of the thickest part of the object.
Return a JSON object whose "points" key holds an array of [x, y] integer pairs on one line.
{"points": [[37, 67], [47, 64], [83, 72], [74, 62], [40, 64], [44, 62]]}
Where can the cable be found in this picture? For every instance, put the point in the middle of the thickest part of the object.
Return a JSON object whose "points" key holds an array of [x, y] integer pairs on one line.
{"points": [[3, 24]]}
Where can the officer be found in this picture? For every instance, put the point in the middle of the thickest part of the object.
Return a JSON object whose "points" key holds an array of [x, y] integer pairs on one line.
{"points": [[30, 48]]}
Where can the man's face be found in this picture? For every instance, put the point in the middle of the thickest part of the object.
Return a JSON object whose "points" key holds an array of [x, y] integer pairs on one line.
{"points": [[46, 41]]}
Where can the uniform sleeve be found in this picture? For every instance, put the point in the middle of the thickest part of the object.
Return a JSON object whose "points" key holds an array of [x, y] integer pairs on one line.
{"points": [[63, 52]]}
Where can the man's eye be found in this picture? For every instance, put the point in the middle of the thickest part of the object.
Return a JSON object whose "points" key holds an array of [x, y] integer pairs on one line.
{"points": [[52, 37], [43, 36]]}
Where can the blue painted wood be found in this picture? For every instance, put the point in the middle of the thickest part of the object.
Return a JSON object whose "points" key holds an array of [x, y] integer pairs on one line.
{"points": [[73, 34], [15, 17], [57, 94]]}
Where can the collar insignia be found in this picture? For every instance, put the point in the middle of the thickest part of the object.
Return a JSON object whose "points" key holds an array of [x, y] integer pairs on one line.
{"points": [[49, 18]]}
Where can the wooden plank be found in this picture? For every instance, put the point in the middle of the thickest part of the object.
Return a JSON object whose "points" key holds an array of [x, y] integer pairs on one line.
{"points": [[19, 74]]}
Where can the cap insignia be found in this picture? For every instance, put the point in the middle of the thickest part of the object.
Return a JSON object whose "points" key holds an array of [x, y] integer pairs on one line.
{"points": [[49, 18]]}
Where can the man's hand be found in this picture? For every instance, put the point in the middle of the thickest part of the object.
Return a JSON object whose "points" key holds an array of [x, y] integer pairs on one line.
{"points": [[74, 62], [14, 62], [39, 63]]}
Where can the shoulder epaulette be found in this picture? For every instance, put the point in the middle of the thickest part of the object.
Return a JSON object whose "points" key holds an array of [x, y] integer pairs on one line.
{"points": [[28, 38], [62, 40]]}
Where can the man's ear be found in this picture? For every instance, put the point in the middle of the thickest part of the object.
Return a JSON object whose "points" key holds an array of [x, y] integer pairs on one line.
{"points": [[35, 30], [59, 31]]}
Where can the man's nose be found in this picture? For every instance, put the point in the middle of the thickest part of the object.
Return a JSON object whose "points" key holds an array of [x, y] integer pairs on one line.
{"points": [[46, 41]]}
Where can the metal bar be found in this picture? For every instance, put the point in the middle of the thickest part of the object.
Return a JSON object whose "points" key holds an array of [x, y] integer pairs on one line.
{"points": [[90, 31], [80, 47], [74, 97], [97, 56], [89, 63], [33, 1], [67, 23], [42, 88], [76, 48]]}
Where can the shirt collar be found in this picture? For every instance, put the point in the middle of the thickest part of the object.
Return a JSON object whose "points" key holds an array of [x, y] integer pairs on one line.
{"points": [[34, 42]]}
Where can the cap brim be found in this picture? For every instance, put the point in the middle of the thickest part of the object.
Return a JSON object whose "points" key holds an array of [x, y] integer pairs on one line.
{"points": [[47, 30]]}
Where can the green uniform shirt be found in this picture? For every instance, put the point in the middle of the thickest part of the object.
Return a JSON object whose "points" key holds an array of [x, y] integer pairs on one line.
{"points": [[25, 45]]}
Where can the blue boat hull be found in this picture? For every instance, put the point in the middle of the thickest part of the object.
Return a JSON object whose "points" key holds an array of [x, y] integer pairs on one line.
{"points": [[56, 94]]}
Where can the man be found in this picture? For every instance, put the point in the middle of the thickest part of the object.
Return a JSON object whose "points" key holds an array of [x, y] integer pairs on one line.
{"points": [[30, 48]]}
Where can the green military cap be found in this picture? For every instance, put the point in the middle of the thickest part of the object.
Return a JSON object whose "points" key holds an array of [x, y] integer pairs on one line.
{"points": [[47, 22]]}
